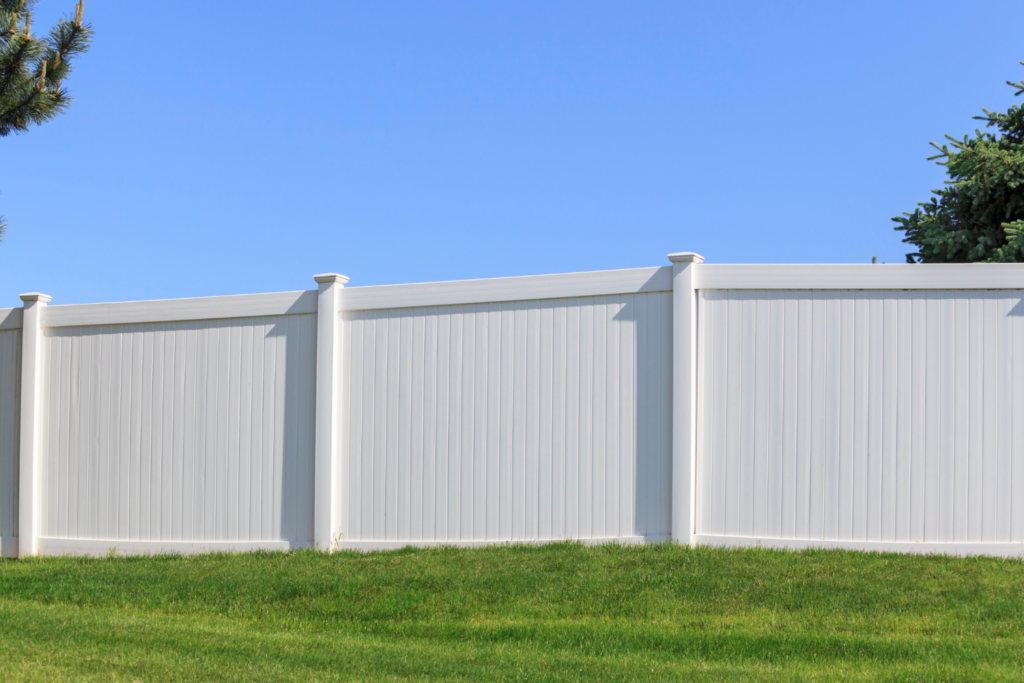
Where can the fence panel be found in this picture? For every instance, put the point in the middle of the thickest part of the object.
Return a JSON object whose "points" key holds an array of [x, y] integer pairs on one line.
{"points": [[877, 416], [10, 418], [522, 420], [858, 406], [179, 432]]}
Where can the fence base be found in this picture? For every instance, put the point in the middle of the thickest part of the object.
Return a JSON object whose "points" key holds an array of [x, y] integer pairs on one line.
{"points": [[91, 547], [924, 547], [367, 546]]}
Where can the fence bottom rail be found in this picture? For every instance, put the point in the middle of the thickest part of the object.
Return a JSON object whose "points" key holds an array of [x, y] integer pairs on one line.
{"points": [[962, 548]]}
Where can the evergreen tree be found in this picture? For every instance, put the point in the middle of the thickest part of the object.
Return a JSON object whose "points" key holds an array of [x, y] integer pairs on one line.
{"points": [[979, 215], [32, 70]]}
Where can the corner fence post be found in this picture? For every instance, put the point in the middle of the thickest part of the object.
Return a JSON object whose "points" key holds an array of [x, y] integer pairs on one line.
{"points": [[684, 393], [29, 452], [326, 503]]}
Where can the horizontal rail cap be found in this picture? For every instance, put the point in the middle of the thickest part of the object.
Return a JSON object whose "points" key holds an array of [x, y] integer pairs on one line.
{"points": [[35, 296], [328, 278], [686, 257], [866, 276]]}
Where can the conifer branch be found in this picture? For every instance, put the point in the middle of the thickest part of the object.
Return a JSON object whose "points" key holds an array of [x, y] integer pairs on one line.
{"points": [[32, 70], [979, 215]]}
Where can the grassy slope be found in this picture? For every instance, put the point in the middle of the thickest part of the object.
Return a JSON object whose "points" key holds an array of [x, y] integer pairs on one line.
{"points": [[558, 612]]}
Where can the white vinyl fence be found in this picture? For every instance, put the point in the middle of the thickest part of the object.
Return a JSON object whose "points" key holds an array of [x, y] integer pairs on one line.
{"points": [[10, 418], [193, 431], [869, 407], [500, 421], [862, 416]]}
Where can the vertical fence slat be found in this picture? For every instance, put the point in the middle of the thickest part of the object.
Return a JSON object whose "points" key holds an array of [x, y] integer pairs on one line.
{"points": [[572, 418], [873, 405]]}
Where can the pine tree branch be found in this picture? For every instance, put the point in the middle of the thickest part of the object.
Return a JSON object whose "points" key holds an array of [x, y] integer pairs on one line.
{"points": [[32, 71], [16, 60]]}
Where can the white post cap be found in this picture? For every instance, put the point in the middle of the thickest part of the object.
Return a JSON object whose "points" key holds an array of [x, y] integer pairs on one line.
{"points": [[330, 278], [685, 257], [35, 296]]}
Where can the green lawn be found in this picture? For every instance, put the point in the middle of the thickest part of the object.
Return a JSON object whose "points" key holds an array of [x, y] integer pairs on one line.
{"points": [[556, 612]]}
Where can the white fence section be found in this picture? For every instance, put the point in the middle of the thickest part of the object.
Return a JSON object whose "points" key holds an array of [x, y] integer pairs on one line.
{"points": [[10, 417], [883, 416], [192, 432], [523, 420], [871, 407]]}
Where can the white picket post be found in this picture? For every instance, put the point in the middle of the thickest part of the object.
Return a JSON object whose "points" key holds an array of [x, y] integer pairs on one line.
{"points": [[326, 502], [30, 455], [684, 393]]}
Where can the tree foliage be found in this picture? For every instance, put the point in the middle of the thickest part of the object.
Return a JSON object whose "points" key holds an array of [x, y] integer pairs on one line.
{"points": [[33, 69], [979, 215]]}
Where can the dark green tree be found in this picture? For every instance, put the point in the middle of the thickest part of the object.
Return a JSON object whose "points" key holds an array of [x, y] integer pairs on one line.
{"points": [[33, 69], [979, 215]]}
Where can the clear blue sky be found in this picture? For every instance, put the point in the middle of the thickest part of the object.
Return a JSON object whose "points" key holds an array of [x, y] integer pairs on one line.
{"points": [[229, 147]]}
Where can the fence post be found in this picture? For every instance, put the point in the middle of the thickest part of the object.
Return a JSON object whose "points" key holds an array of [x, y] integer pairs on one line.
{"points": [[29, 454], [328, 360], [684, 393]]}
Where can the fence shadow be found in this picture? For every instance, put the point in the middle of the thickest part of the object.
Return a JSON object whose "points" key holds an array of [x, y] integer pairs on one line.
{"points": [[649, 313]]}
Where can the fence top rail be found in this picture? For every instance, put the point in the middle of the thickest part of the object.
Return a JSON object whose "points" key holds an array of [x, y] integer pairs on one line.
{"points": [[10, 318], [534, 287], [176, 310], [494, 290], [861, 276], [354, 298]]}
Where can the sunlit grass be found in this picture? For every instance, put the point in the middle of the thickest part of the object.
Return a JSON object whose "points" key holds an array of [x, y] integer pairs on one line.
{"points": [[556, 612]]}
